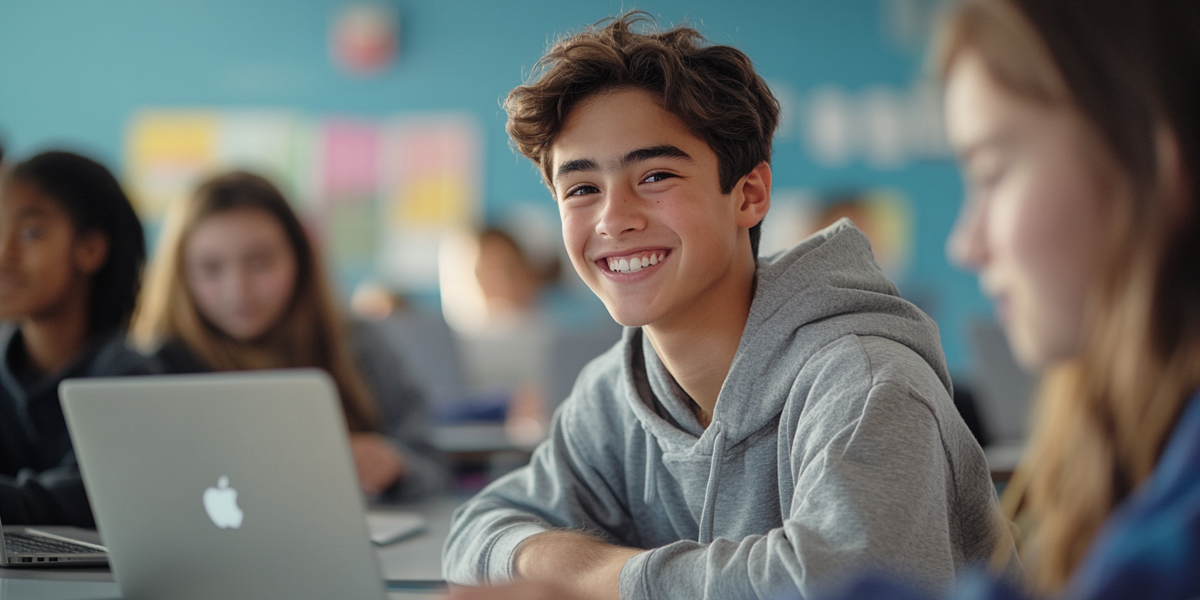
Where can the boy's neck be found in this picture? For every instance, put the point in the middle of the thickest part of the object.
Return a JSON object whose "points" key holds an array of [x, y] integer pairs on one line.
{"points": [[52, 342], [699, 351]]}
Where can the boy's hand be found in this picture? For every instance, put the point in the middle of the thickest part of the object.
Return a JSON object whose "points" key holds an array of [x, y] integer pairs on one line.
{"points": [[578, 564]]}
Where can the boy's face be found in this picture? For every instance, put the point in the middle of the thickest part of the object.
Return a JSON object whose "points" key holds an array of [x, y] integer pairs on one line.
{"points": [[644, 219]]}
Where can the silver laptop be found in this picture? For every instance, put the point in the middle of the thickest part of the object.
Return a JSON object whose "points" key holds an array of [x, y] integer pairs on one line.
{"points": [[49, 547], [231, 485]]}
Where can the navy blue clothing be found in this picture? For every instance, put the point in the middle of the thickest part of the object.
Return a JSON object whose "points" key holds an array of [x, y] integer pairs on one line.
{"points": [[1149, 548], [39, 479]]}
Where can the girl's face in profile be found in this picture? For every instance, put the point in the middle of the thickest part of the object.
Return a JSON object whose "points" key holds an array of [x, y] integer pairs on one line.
{"points": [[44, 264], [1033, 225], [241, 271]]}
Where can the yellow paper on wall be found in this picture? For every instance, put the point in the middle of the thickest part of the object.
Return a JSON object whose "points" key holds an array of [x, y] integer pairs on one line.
{"points": [[169, 151]]}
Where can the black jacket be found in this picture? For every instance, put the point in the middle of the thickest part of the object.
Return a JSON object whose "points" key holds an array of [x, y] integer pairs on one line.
{"points": [[39, 478]]}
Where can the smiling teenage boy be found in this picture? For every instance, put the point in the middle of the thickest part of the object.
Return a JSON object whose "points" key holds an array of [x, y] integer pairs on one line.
{"points": [[765, 426]]}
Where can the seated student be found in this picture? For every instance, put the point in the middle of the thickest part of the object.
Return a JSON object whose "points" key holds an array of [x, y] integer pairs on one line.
{"points": [[765, 426], [1077, 127], [238, 285], [71, 255], [510, 281]]}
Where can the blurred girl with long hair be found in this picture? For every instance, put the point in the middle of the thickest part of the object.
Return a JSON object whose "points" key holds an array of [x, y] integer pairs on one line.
{"points": [[237, 284]]}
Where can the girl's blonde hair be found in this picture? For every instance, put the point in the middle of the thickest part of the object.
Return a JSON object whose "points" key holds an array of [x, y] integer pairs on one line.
{"points": [[311, 332], [1131, 70]]}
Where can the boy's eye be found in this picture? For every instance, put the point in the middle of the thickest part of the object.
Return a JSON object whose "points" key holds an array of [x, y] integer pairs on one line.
{"points": [[582, 190], [658, 176]]}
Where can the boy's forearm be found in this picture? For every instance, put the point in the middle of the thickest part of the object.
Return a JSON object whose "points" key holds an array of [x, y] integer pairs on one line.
{"points": [[574, 561]]}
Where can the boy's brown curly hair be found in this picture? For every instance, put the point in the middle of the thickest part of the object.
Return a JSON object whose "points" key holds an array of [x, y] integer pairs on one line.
{"points": [[713, 89]]}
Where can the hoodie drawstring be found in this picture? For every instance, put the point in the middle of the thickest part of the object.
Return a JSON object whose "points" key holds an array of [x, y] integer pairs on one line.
{"points": [[649, 495], [710, 494]]}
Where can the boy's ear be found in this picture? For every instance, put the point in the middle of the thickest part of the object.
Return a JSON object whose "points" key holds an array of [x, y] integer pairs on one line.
{"points": [[754, 196], [90, 252]]}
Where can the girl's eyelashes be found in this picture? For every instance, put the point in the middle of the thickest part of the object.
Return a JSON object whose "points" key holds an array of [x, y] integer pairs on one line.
{"points": [[31, 233], [209, 270], [986, 182], [260, 262], [987, 171]]}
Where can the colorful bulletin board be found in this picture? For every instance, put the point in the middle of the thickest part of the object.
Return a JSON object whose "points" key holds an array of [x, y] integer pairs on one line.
{"points": [[378, 195]]}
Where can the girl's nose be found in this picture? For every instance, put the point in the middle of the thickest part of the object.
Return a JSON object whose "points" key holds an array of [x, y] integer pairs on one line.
{"points": [[966, 246]]}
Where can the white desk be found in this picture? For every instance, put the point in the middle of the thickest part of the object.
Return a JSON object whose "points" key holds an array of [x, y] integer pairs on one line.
{"points": [[409, 566]]}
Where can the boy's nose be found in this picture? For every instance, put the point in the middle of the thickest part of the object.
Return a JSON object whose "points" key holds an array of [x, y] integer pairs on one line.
{"points": [[620, 214]]}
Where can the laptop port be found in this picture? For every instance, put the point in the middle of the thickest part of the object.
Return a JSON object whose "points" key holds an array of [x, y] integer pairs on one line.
{"points": [[26, 559], [53, 559]]}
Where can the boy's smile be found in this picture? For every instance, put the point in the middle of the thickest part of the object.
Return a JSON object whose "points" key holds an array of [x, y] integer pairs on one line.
{"points": [[644, 219], [636, 262]]}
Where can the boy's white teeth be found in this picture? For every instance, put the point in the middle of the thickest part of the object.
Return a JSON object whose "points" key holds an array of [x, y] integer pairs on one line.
{"points": [[635, 264]]}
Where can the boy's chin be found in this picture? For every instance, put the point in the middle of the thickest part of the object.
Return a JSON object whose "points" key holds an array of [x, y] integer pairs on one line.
{"points": [[627, 318]]}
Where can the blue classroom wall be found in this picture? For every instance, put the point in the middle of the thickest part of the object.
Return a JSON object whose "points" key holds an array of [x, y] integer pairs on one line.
{"points": [[74, 72]]}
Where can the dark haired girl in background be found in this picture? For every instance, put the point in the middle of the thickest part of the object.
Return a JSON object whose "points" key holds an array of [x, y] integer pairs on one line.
{"points": [[71, 254]]}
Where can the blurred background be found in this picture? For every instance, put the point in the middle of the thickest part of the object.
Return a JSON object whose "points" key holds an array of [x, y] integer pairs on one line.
{"points": [[382, 122]]}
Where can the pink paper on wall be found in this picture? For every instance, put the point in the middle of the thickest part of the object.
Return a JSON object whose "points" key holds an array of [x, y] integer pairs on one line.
{"points": [[432, 173], [349, 160], [434, 165]]}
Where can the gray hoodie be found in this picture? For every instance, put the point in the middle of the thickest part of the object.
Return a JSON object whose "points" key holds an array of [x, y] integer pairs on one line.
{"points": [[834, 447]]}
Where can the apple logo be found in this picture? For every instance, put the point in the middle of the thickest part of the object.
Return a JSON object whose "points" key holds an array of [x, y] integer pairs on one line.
{"points": [[221, 505]]}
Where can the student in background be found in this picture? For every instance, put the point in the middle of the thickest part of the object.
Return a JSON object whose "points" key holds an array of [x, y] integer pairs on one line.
{"points": [[1077, 126], [71, 256], [509, 280], [766, 425], [237, 284]]}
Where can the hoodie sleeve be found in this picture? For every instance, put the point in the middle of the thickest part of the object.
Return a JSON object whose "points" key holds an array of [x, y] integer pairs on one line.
{"points": [[871, 492], [571, 482]]}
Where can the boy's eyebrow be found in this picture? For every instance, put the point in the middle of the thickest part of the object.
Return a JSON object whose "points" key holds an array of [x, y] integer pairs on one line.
{"points": [[633, 156], [576, 165], [665, 150]]}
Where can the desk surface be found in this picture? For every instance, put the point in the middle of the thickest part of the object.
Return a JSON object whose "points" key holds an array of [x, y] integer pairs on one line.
{"points": [[416, 559]]}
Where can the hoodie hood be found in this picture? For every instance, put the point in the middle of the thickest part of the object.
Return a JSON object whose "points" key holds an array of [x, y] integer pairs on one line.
{"points": [[821, 290], [827, 287], [806, 297]]}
